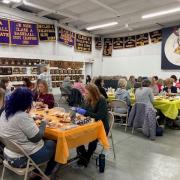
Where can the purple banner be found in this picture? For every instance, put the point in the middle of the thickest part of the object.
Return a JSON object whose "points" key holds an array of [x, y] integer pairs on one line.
{"points": [[4, 31], [23, 33], [66, 37], [47, 32]]}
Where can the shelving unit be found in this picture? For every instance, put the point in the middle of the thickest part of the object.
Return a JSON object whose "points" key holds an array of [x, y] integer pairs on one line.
{"points": [[16, 69]]}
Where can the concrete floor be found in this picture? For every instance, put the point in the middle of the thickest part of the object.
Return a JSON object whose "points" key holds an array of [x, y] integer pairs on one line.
{"points": [[137, 158]]}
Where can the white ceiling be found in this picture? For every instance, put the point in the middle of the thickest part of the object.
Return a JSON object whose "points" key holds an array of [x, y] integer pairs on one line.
{"points": [[83, 13]]}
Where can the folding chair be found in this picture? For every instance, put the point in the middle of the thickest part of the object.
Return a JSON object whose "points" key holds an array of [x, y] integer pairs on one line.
{"points": [[31, 165], [115, 104]]}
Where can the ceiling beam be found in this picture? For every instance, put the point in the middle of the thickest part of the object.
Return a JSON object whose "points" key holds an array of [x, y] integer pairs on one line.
{"points": [[70, 15], [105, 7], [60, 7]]}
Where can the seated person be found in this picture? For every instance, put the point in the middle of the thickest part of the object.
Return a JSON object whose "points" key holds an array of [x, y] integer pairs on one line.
{"points": [[99, 83], [79, 85], [122, 94], [160, 85], [95, 107], [27, 83], [130, 82], [6, 84], [16, 125], [174, 78], [144, 94], [67, 85], [169, 88], [154, 85], [44, 97]]}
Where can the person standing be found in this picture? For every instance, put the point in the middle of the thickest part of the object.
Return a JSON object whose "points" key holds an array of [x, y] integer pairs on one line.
{"points": [[88, 79], [45, 75]]}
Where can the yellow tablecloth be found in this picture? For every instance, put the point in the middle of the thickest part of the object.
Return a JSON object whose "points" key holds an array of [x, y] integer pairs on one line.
{"points": [[168, 108], [72, 138]]}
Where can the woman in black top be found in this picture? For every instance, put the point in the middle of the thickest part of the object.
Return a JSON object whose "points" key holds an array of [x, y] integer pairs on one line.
{"points": [[169, 88], [95, 107], [99, 83], [88, 79]]}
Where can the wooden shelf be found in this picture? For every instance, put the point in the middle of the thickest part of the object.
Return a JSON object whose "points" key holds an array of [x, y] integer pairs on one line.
{"points": [[12, 75]]}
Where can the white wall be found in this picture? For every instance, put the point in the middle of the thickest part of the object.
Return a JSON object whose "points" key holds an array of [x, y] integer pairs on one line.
{"points": [[139, 61], [46, 50]]}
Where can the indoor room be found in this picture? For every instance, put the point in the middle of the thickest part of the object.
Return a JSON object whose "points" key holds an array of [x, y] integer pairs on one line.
{"points": [[89, 89]]}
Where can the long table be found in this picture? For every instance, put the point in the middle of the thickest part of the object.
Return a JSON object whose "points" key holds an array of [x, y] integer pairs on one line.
{"points": [[169, 108], [72, 138]]}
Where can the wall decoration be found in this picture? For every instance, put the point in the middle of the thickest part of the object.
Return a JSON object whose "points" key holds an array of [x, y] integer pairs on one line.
{"points": [[46, 32], [170, 58], [118, 43], [83, 43], [142, 39], [98, 42], [66, 37], [107, 50], [4, 31], [130, 42], [23, 33], [156, 36]]}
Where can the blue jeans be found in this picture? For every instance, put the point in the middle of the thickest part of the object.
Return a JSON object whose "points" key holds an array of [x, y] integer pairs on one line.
{"points": [[46, 153]]}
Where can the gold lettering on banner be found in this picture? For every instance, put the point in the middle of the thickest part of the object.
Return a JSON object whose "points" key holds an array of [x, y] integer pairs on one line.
{"points": [[2, 34]]}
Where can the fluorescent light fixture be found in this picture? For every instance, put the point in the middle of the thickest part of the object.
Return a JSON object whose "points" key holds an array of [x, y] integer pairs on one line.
{"points": [[6, 1], [16, 1], [161, 13], [102, 26]]}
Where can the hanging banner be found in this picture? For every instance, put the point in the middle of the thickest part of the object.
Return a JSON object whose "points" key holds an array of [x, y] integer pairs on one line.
{"points": [[83, 43], [142, 39], [46, 32], [156, 36], [23, 33], [130, 42], [4, 31], [98, 42], [66, 37], [170, 55], [107, 50], [118, 43]]}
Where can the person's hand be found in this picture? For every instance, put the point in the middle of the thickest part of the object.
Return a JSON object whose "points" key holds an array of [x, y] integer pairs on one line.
{"points": [[39, 103], [81, 111]]}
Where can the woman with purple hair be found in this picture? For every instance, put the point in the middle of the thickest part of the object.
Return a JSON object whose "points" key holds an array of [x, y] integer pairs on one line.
{"points": [[16, 125]]}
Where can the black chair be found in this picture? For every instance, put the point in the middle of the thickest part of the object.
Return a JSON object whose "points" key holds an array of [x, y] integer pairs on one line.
{"points": [[75, 98]]}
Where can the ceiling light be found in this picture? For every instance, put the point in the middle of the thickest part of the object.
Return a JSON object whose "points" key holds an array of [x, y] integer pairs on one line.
{"points": [[161, 13], [102, 26], [6, 1], [16, 1]]}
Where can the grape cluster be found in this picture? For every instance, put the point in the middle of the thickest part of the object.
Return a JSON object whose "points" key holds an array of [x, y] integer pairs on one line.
{"points": [[82, 122]]}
